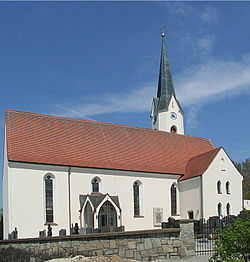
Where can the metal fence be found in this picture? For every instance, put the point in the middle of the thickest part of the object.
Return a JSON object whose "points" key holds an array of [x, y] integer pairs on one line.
{"points": [[207, 232]]}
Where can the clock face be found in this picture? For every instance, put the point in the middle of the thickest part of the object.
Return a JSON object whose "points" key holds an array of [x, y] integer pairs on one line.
{"points": [[173, 115]]}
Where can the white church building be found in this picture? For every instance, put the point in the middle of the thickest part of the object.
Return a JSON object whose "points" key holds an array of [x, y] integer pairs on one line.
{"points": [[60, 171]]}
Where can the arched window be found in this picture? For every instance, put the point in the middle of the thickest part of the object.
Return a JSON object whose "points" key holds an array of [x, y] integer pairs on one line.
{"points": [[96, 181], [107, 215], [228, 209], [88, 216], [219, 210], [173, 129], [228, 187], [137, 198], [48, 180], [173, 200], [219, 187]]}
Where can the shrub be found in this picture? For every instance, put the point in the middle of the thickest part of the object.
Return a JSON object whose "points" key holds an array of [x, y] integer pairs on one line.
{"points": [[233, 243]]}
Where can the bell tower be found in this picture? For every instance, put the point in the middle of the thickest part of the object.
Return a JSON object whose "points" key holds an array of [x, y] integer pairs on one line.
{"points": [[166, 113]]}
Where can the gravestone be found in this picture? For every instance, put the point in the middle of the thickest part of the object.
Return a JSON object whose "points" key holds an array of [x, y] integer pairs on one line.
{"points": [[120, 229], [62, 232], [96, 230], [42, 233], [76, 229]]}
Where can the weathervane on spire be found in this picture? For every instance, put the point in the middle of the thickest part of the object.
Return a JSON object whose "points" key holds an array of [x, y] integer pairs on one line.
{"points": [[162, 31]]}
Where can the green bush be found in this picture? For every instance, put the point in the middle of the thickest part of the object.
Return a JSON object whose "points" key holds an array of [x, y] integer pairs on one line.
{"points": [[233, 243]]}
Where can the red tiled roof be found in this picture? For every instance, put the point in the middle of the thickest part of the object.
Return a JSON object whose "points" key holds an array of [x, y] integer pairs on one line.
{"points": [[197, 165], [47, 139]]}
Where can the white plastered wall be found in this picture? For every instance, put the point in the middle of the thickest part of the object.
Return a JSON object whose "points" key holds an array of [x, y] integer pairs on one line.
{"points": [[165, 122], [6, 195], [155, 193], [27, 200], [190, 194], [223, 172]]}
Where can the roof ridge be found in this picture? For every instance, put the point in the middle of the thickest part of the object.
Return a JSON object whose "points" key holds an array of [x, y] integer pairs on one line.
{"points": [[106, 124], [202, 154]]}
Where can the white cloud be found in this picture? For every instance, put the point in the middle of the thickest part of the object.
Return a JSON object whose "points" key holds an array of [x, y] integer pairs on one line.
{"points": [[212, 81], [137, 100], [196, 86], [209, 15], [205, 45]]}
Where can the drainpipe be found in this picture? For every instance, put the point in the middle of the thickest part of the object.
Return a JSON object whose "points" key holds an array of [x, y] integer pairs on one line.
{"points": [[201, 198], [69, 173]]}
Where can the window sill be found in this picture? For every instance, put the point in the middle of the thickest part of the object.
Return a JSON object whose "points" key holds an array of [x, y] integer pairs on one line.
{"points": [[138, 216], [175, 215], [51, 223]]}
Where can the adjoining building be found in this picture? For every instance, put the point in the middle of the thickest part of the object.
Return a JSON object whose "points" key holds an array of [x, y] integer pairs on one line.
{"points": [[60, 171]]}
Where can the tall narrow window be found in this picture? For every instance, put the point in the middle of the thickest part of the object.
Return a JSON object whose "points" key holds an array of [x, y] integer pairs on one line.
{"points": [[173, 200], [49, 199], [228, 187], [223, 165], [136, 189], [219, 187], [219, 210], [228, 209], [88, 216], [96, 181]]}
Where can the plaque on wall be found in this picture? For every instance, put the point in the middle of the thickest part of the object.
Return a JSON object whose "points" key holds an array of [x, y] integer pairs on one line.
{"points": [[157, 216]]}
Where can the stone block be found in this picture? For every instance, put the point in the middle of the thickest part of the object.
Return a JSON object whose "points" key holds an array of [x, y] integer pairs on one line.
{"points": [[147, 243], [125, 242], [129, 253], [137, 256], [119, 242], [99, 252], [182, 252], [32, 259], [109, 252], [144, 253], [140, 247], [112, 244], [164, 241], [156, 242], [167, 248], [99, 246], [131, 245], [177, 243], [121, 251]]}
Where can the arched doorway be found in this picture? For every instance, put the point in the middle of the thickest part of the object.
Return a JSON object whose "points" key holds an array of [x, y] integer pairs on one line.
{"points": [[107, 215], [88, 216]]}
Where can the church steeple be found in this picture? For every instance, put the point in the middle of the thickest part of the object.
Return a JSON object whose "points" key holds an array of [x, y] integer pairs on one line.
{"points": [[166, 113], [165, 83]]}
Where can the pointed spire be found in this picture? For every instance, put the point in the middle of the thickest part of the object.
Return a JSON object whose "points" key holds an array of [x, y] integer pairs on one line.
{"points": [[165, 83]]}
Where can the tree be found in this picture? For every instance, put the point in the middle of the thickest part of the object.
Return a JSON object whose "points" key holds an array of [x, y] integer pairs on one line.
{"points": [[244, 169], [233, 242]]}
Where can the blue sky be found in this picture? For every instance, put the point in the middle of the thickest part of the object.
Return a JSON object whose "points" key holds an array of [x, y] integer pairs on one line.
{"points": [[100, 61]]}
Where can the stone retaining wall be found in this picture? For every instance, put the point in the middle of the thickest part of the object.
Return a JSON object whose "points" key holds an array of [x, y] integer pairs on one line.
{"points": [[139, 245]]}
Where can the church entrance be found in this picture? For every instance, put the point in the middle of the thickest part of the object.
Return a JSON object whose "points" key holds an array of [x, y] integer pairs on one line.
{"points": [[107, 215]]}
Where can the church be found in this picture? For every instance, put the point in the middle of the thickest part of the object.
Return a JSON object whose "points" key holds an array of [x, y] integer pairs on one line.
{"points": [[60, 171]]}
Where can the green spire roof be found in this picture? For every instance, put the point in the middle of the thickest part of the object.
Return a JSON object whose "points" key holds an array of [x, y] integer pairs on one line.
{"points": [[165, 83]]}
